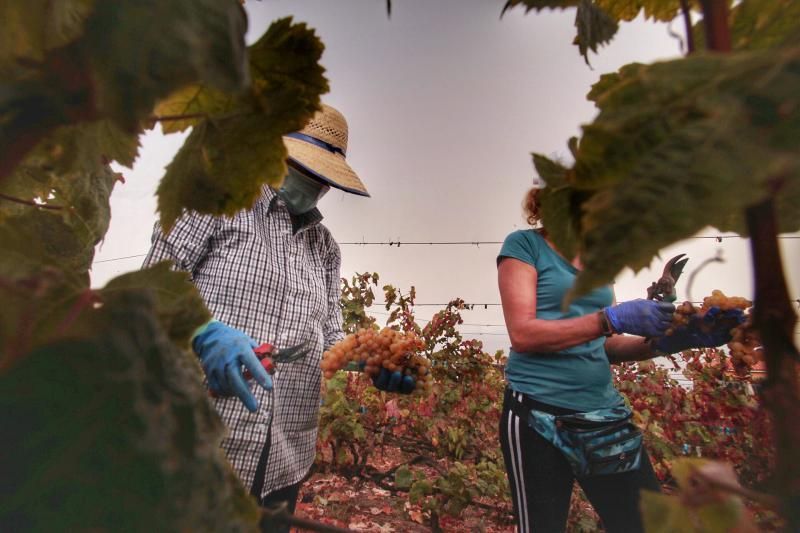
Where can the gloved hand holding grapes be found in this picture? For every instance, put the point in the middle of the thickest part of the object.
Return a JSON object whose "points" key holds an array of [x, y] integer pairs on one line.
{"points": [[394, 382], [709, 330]]}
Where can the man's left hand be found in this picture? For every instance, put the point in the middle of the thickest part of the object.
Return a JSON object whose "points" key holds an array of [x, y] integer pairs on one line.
{"points": [[394, 382]]}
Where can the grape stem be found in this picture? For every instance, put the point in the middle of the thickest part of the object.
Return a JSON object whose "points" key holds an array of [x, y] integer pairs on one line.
{"points": [[690, 282]]}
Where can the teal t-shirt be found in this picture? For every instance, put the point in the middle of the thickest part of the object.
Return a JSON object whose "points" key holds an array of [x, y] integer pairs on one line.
{"points": [[577, 378]]}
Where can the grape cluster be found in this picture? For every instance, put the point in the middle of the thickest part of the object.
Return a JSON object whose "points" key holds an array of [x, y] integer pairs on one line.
{"points": [[372, 350], [744, 345]]}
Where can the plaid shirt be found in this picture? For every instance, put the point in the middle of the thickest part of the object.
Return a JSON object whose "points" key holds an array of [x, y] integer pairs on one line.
{"points": [[279, 286]]}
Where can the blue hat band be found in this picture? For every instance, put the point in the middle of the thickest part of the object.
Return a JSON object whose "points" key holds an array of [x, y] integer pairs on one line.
{"points": [[317, 142]]}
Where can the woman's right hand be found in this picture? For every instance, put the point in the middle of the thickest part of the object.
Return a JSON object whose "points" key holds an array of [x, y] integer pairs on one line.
{"points": [[647, 318]]}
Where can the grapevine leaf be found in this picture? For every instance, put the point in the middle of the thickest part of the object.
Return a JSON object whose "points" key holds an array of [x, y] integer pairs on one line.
{"points": [[759, 24], [664, 514], [221, 168], [62, 239], [627, 10], [89, 212], [36, 238], [59, 170], [559, 203], [403, 477], [99, 74], [597, 20], [539, 5], [176, 43], [227, 159], [723, 516], [712, 133], [70, 448], [103, 141], [595, 27], [180, 308], [682, 471], [39, 303], [189, 102], [287, 77], [34, 101], [702, 490], [33, 27]]}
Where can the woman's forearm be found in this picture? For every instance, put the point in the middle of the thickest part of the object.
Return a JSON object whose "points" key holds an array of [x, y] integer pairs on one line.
{"points": [[624, 348], [544, 336]]}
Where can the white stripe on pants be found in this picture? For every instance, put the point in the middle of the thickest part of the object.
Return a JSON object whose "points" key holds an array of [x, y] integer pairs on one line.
{"points": [[518, 471]]}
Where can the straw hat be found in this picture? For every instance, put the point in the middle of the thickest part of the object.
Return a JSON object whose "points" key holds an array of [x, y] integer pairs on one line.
{"points": [[319, 149]]}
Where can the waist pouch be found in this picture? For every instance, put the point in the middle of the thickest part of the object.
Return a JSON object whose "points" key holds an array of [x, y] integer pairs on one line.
{"points": [[595, 443]]}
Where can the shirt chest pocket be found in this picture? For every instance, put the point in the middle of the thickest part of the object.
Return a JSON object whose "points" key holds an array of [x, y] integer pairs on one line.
{"points": [[310, 286]]}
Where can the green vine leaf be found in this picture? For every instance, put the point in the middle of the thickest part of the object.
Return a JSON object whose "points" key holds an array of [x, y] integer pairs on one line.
{"points": [[33, 27], [40, 305], [228, 158], [595, 27], [597, 21], [698, 506], [89, 70], [560, 204], [664, 514], [64, 160], [176, 43], [403, 477], [539, 5], [713, 134], [759, 24], [195, 103], [178, 304], [71, 454], [63, 239], [627, 10]]}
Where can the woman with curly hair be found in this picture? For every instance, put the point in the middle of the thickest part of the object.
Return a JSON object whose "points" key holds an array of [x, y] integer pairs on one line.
{"points": [[563, 420]]}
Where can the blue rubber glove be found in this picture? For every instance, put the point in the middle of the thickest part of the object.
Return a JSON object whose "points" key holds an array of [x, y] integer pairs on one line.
{"points": [[394, 382], [648, 318], [223, 351], [711, 330]]}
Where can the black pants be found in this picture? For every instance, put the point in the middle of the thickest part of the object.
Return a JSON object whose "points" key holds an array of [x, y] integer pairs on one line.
{"points": [[286, 494], [541, 482]]}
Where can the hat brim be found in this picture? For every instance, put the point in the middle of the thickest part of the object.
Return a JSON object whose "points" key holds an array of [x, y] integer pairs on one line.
{"points": [[328, 167]]}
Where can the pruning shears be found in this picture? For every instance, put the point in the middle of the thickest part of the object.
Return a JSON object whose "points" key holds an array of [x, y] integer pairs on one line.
{"points": [[663, 290], [269, 355]]}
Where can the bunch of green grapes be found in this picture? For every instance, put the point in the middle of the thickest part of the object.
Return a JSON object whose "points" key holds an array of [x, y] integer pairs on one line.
{"points": [[372, 350], [744, 346]]}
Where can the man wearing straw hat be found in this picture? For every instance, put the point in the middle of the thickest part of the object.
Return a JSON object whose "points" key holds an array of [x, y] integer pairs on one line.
{"points": [[270, 275]]}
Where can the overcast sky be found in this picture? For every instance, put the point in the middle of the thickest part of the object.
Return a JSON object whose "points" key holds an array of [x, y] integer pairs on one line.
{"points": [[445, 101]]}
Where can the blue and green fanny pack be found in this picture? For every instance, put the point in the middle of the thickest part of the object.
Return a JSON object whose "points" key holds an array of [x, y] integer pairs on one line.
{"points": [[595, 443]]}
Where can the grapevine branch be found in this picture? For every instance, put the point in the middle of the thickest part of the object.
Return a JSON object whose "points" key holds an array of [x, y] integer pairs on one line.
{"points": [[774, 318], [276, 516], [173, 118], [193, 116], [773, 315], [379, 478], [30, 203], [687, 19]]}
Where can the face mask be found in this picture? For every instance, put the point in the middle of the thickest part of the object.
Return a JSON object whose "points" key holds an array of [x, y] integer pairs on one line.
{"points": [[301, 193]]}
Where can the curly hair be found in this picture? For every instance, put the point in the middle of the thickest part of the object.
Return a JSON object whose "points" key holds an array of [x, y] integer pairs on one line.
{"points": [[530, 206]]}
